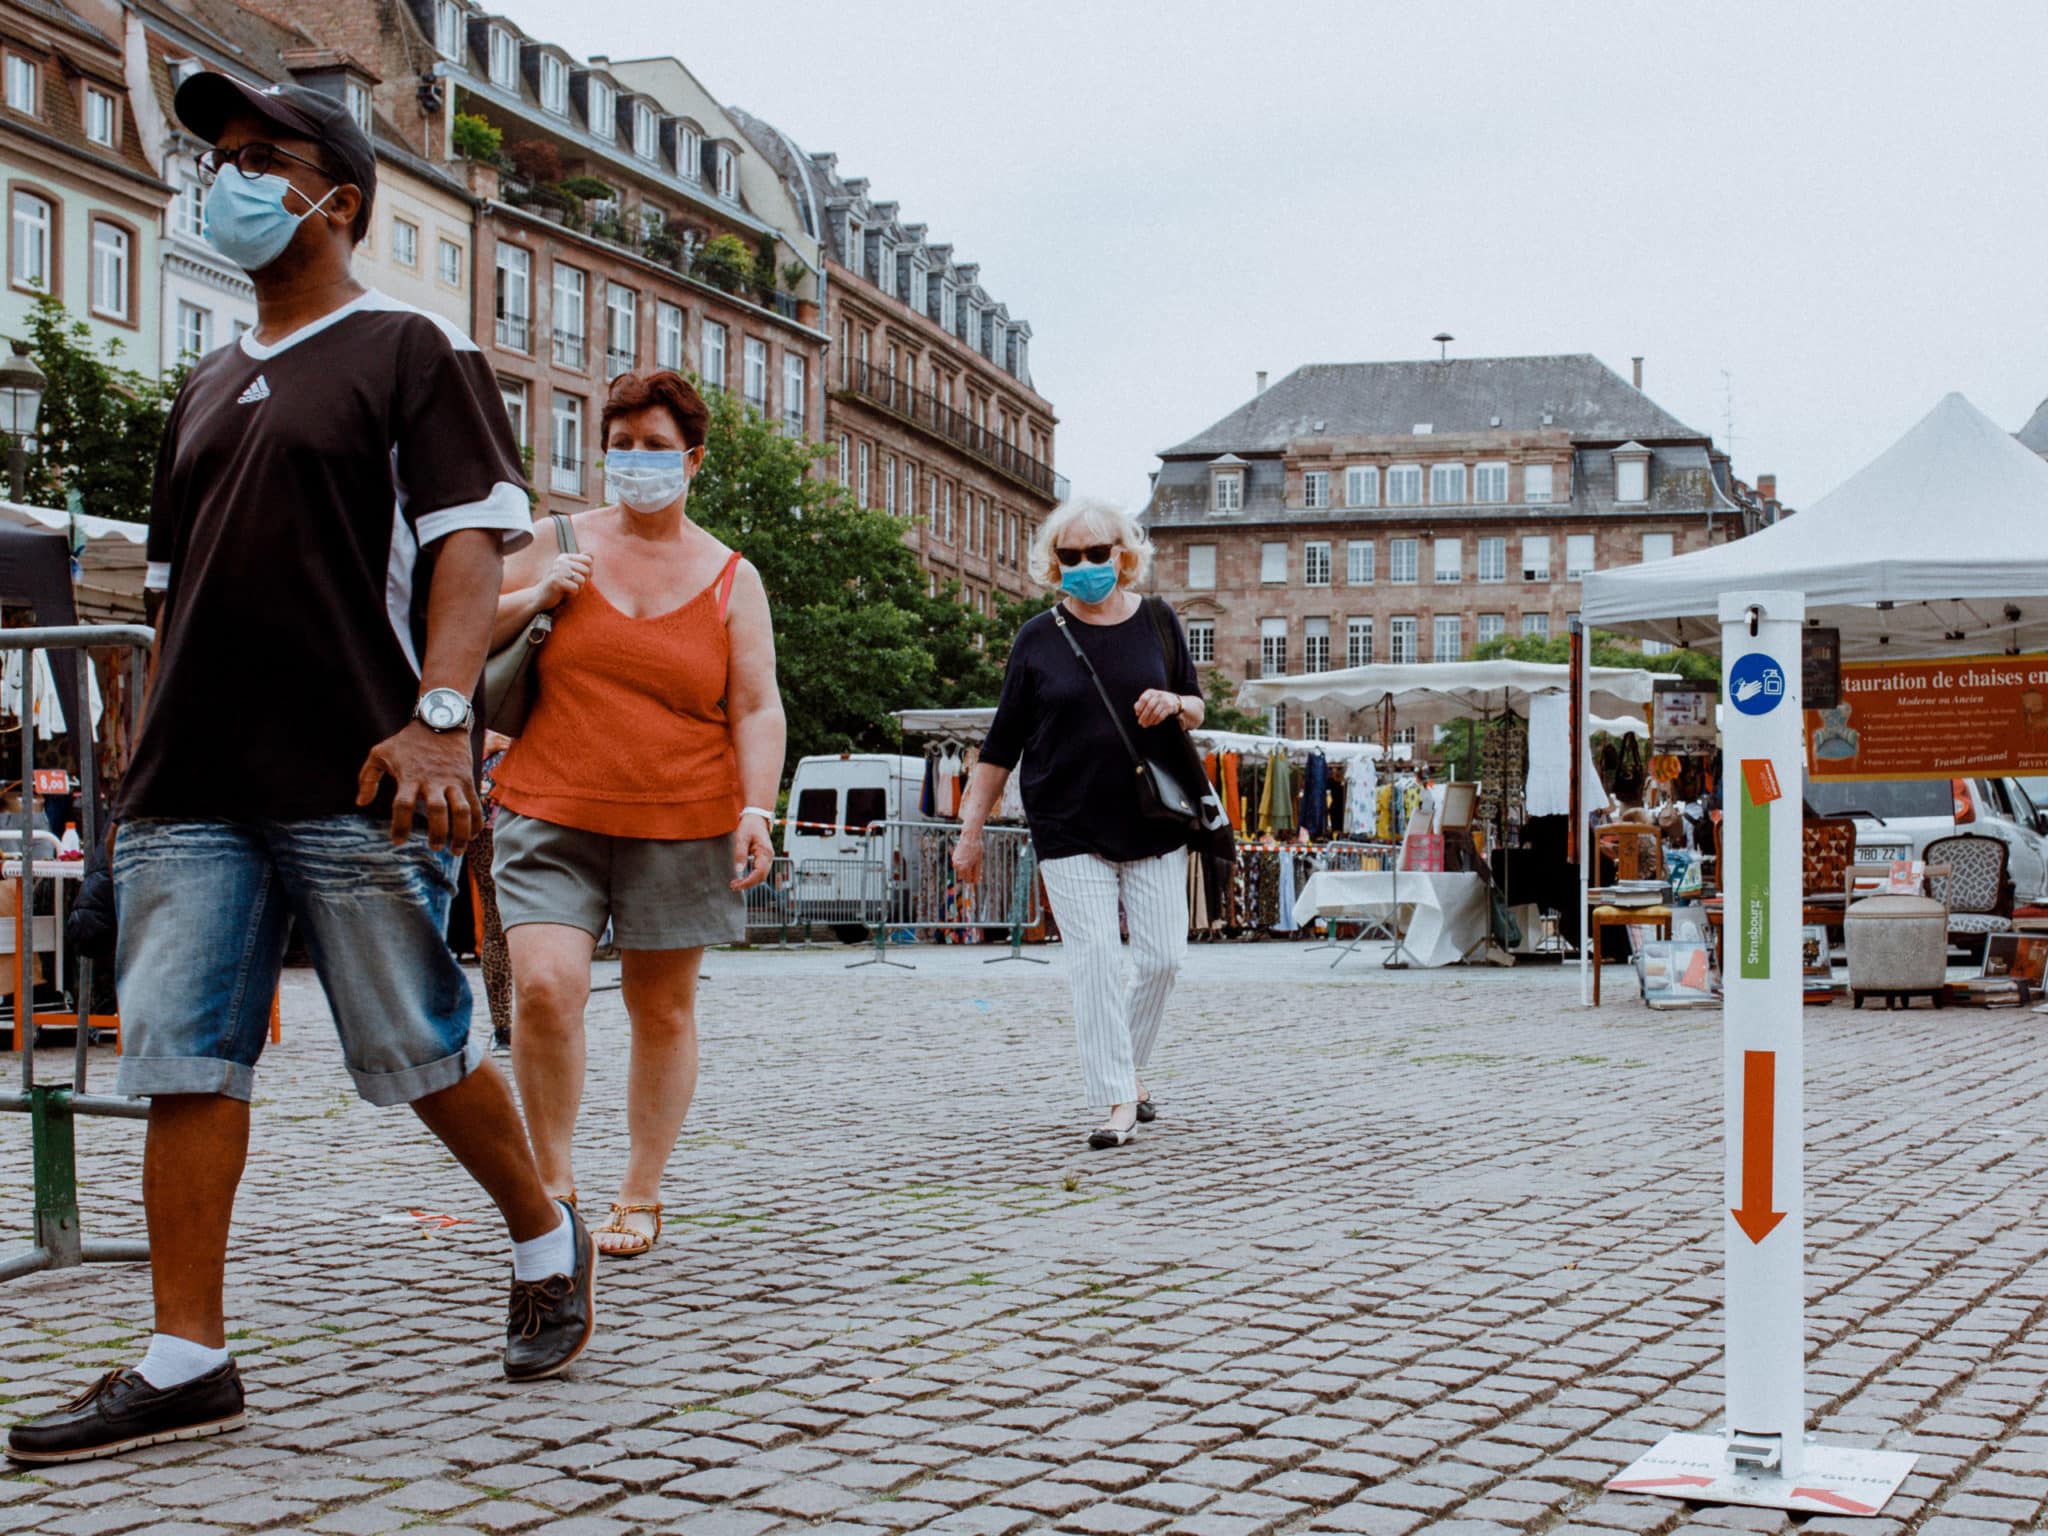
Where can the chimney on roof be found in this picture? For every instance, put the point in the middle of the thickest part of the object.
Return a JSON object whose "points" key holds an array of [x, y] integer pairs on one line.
{"points": [[1639, 372], [1262, 383], [1767, 487]]}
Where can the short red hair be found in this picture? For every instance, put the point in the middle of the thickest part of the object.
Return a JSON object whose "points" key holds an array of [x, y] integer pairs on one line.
{"points": [[663, 387]]}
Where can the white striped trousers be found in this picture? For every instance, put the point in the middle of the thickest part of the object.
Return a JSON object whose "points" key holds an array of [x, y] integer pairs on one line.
{"points": [[1116, 1021]]}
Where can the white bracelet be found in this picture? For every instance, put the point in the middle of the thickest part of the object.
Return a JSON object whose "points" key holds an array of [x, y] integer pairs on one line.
{"points": [[755, 810]]}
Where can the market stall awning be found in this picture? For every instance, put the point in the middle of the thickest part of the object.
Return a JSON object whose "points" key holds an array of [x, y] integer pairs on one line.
{"points": [[1431, 693], [111, 560], [1939, 547], [973, 721]]}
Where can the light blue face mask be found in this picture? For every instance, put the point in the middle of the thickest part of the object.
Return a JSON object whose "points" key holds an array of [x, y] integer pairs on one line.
{"points": [[1090, 583], [247, 221], [646, 479]]}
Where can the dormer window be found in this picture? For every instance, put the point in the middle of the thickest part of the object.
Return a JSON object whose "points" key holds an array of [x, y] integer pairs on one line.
{"points": [[554, 85], [102, 117], [728, 174], [1537, 483], [949, 306], [23, 84], [448, 29], [689, 152], [646, 132], [920, 287], [604, 111], [1631, 474], [855, 246], [1226, 485], [357, 95], [504, 59], [885, 268]]}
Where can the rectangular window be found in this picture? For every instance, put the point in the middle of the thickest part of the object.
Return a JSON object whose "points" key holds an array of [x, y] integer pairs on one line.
{"points": [[565, 450], [514, 297], [621, 329], [1490, 483], [513, 393], [1535, 557], [1578, 555], [1202, 641], [110, 268], [1361, 486], [450, 264], [1536, 482], [668, 335], [908, 504], [1449, 643], [1450, 557], [1401, 639], [1315, 489], [604, 110], [793, 401], [1536, 625], [1315, 645], [1631, 480], [714, 356], [1315, 727], [1402, 561], [188, 208], [754, 372], [1492, 626], [889, 483], [1358, 561], [1276, 720], [1447, 485], [405, 243], [1202, 567], [448, 29], [946, 514], [1358, 642], [1272, 647], [1404, 485], [728, 175], [1229, 495], [34, 221], [195, 332], [646, 132], [1315, 565], [845, 461], [689, 153], [572, 333], [22, 82], [1493, 559], [504, 59], [1656, 546], [554, 85], [102, 121], [1272, 562], [860, 487]]}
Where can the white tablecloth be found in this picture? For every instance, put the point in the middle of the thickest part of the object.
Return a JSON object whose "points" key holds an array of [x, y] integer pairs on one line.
{"points": [[1444, 915]]}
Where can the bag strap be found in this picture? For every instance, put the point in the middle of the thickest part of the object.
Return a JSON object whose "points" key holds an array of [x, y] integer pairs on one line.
{"points": [[1059, 620], [565, 533]]}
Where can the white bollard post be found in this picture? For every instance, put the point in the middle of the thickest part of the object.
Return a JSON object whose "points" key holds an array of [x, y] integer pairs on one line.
{"points": [[1763, 1456]]}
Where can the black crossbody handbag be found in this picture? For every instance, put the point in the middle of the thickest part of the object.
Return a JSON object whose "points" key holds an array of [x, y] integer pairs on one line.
{"points": [[1161, 796]]}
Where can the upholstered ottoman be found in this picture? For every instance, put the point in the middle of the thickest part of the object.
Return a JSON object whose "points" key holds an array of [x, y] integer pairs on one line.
{"points": [[1898, 947]]}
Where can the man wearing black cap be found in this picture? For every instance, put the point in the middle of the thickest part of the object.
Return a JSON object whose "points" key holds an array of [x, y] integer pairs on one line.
{"points": [[332, 503]]}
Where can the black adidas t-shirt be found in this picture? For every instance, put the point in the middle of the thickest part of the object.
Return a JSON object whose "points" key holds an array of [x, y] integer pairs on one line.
{"points": [[299, 492]]}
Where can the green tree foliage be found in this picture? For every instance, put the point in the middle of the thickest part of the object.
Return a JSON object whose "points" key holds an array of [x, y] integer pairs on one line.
{"points": [[1609, 650], [725, 262], [100, 424], [1222, 714], [857, 634], [474, 138]]}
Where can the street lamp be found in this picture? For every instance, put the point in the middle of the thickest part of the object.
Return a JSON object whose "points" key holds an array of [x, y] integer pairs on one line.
{"points": [[21, 401]]}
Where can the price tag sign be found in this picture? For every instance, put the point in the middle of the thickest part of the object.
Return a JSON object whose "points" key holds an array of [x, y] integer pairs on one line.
{"points": [[52, 781]]}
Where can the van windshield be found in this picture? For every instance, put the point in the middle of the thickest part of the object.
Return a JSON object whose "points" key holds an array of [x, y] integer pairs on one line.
{"points": [[1887, 798]]}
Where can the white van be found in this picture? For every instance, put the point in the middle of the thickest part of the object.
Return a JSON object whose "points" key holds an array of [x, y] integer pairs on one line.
{"points": [[832, 801]]}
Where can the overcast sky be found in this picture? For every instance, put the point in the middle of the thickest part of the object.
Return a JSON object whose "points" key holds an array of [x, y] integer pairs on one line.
{"points": [[1826, 216]]}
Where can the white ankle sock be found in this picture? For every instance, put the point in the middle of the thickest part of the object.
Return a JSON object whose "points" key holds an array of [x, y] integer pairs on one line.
{"points": [[539, 1257], [172, 1361]]}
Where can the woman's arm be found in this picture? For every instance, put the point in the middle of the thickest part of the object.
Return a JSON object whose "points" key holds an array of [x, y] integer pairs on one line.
{"points": [[984, 790], [537, 578], [760, 732]]}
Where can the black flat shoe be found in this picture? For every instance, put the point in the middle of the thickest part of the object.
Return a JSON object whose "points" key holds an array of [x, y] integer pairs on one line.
{"points": [[1147, 1111], [549, 1321], [123, 1412], [1105, 1136]]}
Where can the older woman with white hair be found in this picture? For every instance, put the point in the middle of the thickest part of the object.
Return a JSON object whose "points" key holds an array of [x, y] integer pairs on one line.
{"points": [[1096, 847]]}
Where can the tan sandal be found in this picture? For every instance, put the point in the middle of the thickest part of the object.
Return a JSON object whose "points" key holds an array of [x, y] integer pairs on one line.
{"points": [[617, 1227]]}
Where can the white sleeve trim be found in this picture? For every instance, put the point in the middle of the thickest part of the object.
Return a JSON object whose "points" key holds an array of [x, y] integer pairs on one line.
{"points": [[157, 578], [506, 508]]}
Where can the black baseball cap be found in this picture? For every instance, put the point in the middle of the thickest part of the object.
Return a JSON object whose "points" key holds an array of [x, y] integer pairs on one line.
{"points": [[206, 101]]}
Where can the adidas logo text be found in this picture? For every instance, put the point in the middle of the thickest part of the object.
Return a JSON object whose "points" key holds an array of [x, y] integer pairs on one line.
{"points": [[260, 390]]}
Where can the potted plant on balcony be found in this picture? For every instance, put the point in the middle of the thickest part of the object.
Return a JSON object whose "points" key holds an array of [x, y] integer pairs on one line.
{"points": [[724, 262], [479, 146], [793, 275]]}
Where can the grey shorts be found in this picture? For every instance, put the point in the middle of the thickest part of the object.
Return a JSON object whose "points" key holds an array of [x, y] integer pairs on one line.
{"points": [[657, 894]]}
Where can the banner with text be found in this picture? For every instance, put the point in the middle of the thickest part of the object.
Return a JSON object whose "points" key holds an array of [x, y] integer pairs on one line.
{"points": [[1968, 717]]}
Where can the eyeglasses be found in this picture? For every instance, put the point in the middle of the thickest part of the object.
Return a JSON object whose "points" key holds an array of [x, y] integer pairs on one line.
{"points": [[1095, 554], [252, 160]]}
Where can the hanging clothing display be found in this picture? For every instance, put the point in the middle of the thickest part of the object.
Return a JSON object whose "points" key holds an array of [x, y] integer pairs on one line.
{"points": [[44, 708], [1548, 782], [1280, 795], [1315, 795]]}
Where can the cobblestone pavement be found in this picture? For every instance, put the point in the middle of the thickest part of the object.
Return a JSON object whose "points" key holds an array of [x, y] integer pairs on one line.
{"points": [[1434, 1251]]}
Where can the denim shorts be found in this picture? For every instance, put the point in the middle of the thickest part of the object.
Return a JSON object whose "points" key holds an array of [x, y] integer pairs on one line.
{"points": [[204, 909]]}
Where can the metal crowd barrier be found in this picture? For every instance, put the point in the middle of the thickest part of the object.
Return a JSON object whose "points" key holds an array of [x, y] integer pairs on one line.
{"points": [[53, 1108], [924, 895]]}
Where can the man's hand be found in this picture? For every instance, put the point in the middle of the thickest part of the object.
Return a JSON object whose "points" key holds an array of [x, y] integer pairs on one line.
{"points": [[431, 768], [753, 855]]}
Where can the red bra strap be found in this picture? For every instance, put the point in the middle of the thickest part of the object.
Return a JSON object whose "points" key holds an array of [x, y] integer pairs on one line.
{"points": [[726, 578]]}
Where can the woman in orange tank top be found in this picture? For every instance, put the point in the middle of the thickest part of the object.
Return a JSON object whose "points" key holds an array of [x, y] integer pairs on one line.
{"points": [[637, 796]]}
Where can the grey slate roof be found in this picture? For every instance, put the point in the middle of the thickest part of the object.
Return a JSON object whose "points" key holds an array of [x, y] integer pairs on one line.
{"points": [[1582, 394], [2035, 433]]}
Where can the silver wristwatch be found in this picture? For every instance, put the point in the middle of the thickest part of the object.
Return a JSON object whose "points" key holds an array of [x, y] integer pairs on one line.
{"points": [[443, 710]]}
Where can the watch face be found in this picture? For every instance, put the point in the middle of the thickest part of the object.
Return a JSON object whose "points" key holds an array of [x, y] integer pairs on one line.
{"points": [[443, 709]]}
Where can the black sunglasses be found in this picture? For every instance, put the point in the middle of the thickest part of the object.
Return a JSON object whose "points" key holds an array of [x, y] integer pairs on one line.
{"points": [[253, 160], [1095, 554]]}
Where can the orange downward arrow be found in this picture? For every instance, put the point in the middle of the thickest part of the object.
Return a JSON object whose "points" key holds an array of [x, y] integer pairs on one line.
{"points": [[1759, 1134]]}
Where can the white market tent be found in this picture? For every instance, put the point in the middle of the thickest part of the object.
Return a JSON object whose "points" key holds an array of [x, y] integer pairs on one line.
{"points": [[974, 720], [1938, 547], [1432, 693], [111, 560]]}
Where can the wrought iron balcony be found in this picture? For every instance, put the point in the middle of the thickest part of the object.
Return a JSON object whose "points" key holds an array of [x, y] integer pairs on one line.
{"points": [[922, 408]]}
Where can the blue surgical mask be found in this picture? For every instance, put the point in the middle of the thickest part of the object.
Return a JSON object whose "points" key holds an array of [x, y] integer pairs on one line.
{"points": [[247, 221], [646, 480], [1090, 583]]}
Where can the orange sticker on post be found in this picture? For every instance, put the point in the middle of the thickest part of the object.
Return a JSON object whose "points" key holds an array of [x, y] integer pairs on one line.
{"points": [[1761, 775], [52, 781]]}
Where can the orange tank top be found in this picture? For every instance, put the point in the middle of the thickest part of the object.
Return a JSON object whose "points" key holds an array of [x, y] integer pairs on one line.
{"points": [[628, 735]]}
